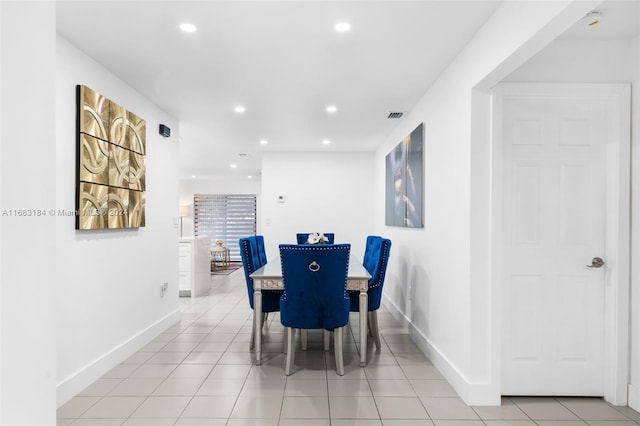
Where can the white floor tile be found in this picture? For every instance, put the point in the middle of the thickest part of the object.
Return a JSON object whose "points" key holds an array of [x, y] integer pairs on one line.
{"points": [[98, 422], [385, 372], [149, 422], [448, 409], [167, 358], [209, 407], [153, 371], [307, 422], [391, 387], [592, 409], [253, 422], [544, 409], [200, 422], [422, 372], [203, 358], [201, 372], [178, 387], [357, 422], [433, 388], [458, 423], [400, 408], [345, 407], [162, 407], [305, 408], [507, 411], [352, 388], [191, 371], [114, 407], [221, 387], [229, 371], [257, 406], [135, 387], [306, 388], [76, 406]]}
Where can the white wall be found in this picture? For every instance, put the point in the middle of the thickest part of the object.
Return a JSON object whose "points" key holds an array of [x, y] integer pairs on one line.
{"points": [[604, 61], [108, 282], [190, 187], [579, 61], [634, 388], [438, 281], [324, 192], [27, 243]]}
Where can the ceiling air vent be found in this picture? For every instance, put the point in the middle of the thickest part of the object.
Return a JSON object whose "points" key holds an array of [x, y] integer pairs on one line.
{"points": [[395, 114]]}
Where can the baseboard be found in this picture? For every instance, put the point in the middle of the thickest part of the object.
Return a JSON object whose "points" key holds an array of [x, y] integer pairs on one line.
{"points": [[634, 397], [471, 393], [74, 384]]}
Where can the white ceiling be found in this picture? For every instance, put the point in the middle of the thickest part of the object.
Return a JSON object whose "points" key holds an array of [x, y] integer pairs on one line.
{"points": [[618, 21], [282, 60]]}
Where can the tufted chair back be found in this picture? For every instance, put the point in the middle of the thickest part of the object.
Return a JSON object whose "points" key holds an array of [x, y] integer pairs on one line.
{"points": [[376, 257], [262, 254], [302, 238], [315, 282], [254, 257], [369, 252]]}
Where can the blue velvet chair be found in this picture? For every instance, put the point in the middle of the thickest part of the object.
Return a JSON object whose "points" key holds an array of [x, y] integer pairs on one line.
{"points": [[314, 277], [302, 238], [376, 257], [254, 257]]}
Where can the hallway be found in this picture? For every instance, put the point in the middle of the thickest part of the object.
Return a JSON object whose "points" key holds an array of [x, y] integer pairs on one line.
{"points": [[200, 372]]}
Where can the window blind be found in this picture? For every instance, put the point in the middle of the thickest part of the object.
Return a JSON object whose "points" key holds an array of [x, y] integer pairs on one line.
{"points": [[226, 217]]}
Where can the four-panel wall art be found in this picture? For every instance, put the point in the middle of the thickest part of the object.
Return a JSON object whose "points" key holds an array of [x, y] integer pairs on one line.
{"points": [[110, 190]]}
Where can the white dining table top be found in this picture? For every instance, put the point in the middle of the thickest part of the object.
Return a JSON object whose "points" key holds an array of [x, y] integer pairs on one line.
{"points": [[273, 271]]}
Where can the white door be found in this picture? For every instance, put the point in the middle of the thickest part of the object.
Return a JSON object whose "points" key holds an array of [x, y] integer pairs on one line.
{"points": [[553, 210]]}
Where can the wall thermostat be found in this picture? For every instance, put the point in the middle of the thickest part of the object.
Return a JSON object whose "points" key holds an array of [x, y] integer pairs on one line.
{"points": [[280, 198]]}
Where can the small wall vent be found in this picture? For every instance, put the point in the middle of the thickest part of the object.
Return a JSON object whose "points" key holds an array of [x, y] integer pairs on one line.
{"points": [[395, 115]]}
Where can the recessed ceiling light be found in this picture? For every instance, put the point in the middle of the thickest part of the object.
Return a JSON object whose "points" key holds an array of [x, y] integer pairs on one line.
{"points": [[233, 166], [331, 109], [263, 141], [240, 109], [193, 176], [188, 28], [326, 142], [250, 177], [342, 27]]}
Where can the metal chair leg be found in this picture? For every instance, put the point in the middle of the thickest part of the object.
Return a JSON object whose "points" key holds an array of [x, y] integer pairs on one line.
{"points": [[252, 341], [326, 335], [291, 349], [303, 339], [338, 334], [373, 323], [284, 340]]}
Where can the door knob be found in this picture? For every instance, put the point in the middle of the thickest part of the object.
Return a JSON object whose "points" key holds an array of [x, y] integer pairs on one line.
{"points": [[596, 262]]}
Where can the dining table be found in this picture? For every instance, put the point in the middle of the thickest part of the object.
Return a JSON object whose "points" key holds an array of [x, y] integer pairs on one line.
{"points": [[269, 278]]}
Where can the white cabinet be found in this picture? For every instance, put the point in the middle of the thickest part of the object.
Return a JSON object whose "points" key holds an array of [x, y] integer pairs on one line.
{"points": [[194, 266]]}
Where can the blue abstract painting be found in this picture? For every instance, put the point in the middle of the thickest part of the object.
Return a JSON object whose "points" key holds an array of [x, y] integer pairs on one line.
{"points": [[403, 182]]}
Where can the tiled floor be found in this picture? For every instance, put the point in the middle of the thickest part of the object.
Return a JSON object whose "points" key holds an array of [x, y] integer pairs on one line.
{"points": [[200, 372]]}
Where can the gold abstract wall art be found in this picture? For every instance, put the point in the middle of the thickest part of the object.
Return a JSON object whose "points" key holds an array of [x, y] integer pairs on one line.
{"points": [[111, 148]]}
